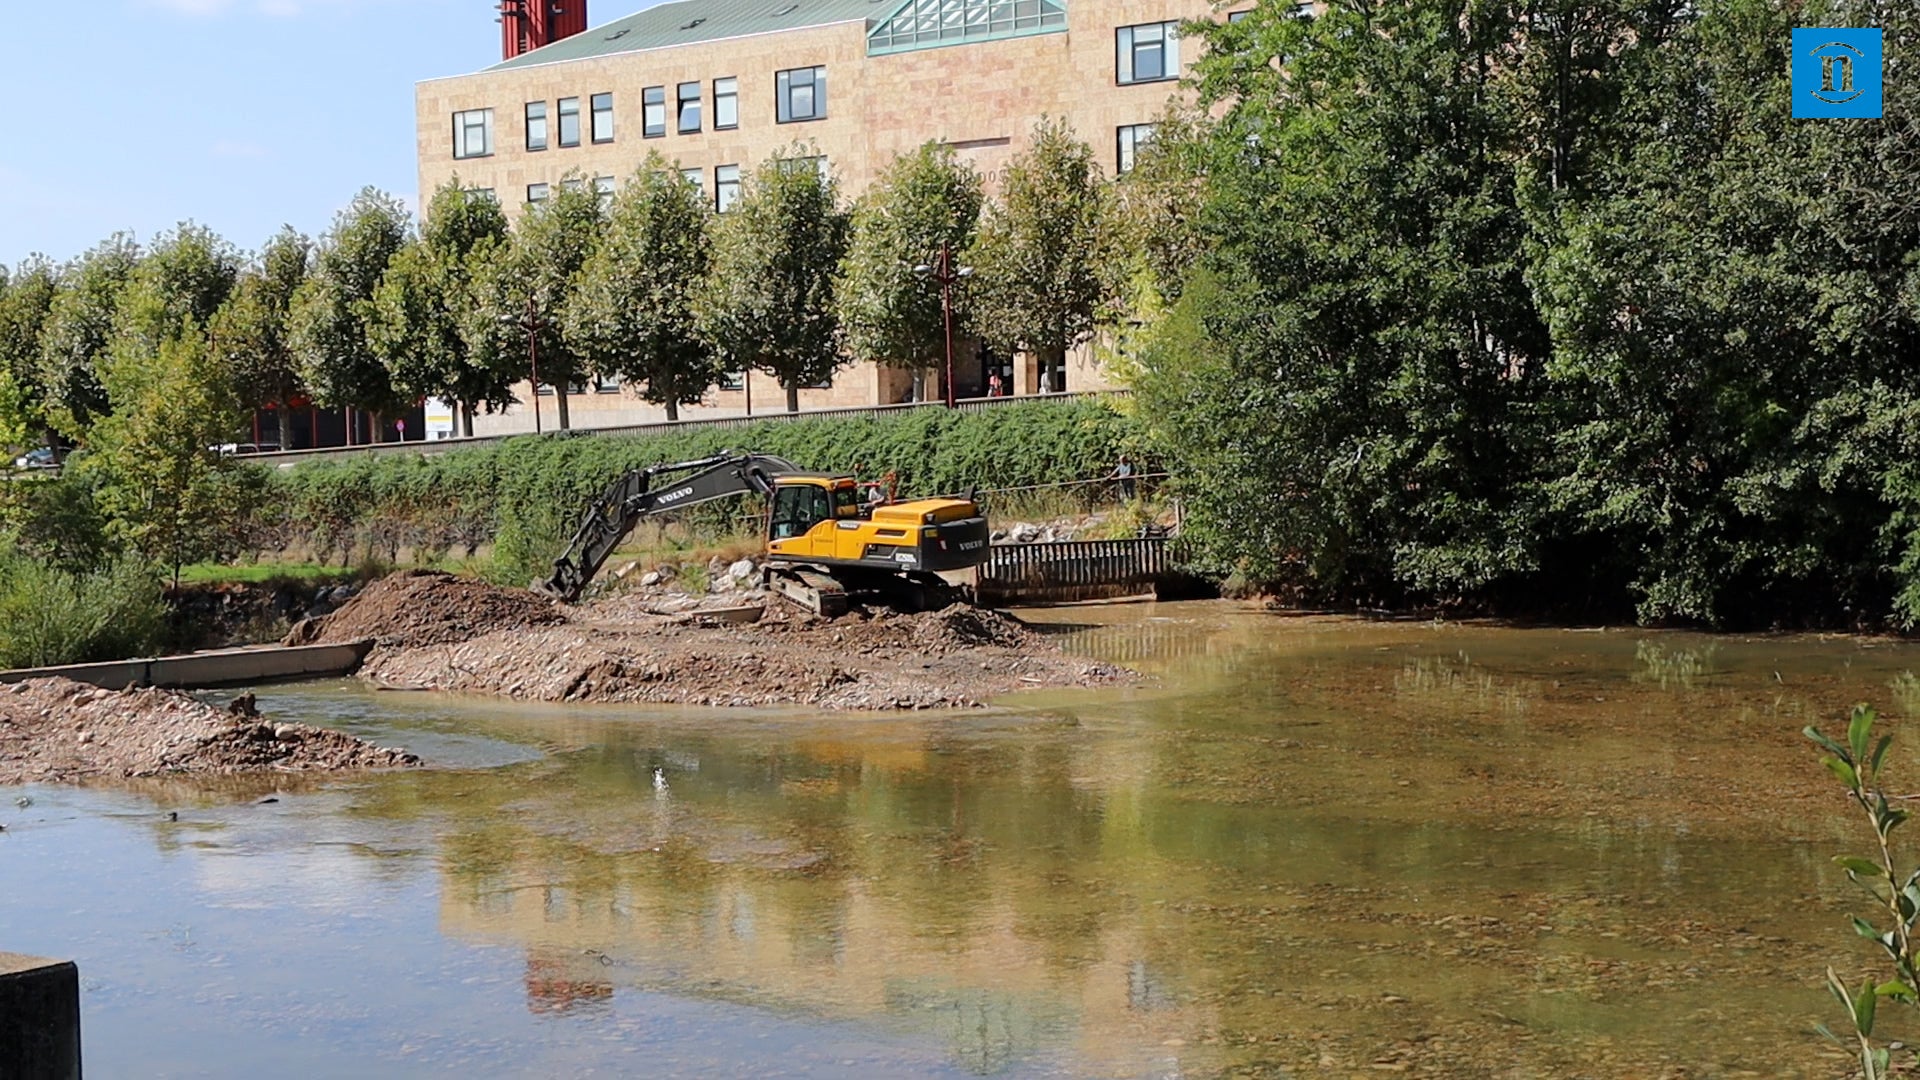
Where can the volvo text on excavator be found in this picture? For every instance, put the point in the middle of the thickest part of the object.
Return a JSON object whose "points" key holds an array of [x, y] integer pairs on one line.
{"points": [[823, 546]]}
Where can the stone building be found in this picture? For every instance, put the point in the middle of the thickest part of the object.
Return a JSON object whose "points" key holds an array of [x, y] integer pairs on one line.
{"points": [[716, 85]]}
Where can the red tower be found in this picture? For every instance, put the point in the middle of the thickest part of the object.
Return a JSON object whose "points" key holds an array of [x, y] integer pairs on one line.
{"points": [[525, 25]]}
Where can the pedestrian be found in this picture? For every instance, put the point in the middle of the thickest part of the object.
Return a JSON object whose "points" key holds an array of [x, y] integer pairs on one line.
{"points": [[1123, 473], [994, 386], [400, 428]]}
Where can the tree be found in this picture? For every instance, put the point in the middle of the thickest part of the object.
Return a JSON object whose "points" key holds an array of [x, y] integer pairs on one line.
{"points": [[78, 330], [327, 325], [768, 303], [186, 275], [419, 308], [1036, 283], [25, 302], [165, 492], [632, 314], [249, 335], [535, 277], [921, 203]]}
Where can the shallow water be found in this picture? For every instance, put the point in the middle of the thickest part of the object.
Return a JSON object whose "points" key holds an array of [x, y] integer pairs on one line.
{"points": [[1306, 847]]}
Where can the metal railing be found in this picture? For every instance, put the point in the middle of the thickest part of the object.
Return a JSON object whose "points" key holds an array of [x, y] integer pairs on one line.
{"points": [[1073, 569], [286, 458]]}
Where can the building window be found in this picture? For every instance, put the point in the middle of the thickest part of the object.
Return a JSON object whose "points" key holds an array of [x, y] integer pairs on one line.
{"points": [[483, 193], [473, 133], [695, 177], [1149, 52], [576, 386], [928, 24], [1131, 138], [733, 380], [537, 193], [726, 187], [818, 165], [569, 121], [603, 187], [800, 94], [653, 112], [572, 183], [602, 118], [606, 384], [1236, 16], [536, 125], [689, 113], [726, 104]]}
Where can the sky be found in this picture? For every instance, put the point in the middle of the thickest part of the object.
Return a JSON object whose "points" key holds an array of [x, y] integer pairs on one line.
{"points": [[242, 115]]}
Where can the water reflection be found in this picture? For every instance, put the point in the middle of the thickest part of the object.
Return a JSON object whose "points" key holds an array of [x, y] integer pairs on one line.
{"points": [[1308, 845]]}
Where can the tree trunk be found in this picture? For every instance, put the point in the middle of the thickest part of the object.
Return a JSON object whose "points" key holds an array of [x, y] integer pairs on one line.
{"points": [[466, 415], [560, 395], [673, 409], [793, 395], [285, 412]]}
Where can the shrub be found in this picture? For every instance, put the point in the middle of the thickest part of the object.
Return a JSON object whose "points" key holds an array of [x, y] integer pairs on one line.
{"points": [[54, 616]]}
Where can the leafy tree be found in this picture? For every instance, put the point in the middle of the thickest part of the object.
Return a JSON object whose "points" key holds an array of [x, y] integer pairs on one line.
{"points": [[633, 312], [165, 493], [327, 324], [418, 310], [769, 303], [184, 278], [249, 335], [79, 328], [921, 203], [536, 276], [25, 302], [1037, 285], [1353, 362]]}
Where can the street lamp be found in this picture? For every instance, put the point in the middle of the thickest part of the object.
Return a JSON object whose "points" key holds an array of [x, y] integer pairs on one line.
{"points": [[942, 270], [531, 321]]}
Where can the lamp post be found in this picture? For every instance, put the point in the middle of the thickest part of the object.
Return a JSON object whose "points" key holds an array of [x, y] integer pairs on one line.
{"points": [[531, 322], [942, 270]]}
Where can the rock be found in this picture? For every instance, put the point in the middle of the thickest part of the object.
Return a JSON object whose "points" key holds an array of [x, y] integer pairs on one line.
{"points": [[243, 705], [741, 570], [286, 733], [86, 737], [621, 574], [650, 578], [723, 583], [1023, 533]]}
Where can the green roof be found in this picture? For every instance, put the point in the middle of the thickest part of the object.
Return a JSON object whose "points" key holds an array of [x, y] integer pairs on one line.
{"points": [[687, 21]]}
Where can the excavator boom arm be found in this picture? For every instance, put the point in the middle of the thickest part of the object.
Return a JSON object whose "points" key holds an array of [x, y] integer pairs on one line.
{"points": [[653, 490]]}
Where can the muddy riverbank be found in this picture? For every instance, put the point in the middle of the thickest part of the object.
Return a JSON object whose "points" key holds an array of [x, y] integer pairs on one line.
{"points": [[439, 632], [61, 731]]}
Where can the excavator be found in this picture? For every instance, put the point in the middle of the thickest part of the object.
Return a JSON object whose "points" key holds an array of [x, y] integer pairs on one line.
{"points": [[825, 547]]}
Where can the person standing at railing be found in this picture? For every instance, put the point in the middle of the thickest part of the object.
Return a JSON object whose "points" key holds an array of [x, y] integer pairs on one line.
{"points": [[995, 388], [1123, 474]]}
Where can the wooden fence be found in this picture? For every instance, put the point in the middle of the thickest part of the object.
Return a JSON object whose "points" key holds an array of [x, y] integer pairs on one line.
{"points": [[1073, 570]]}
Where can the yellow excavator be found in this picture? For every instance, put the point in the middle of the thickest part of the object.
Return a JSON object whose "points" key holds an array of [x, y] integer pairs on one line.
{"points": [[825, 546]]}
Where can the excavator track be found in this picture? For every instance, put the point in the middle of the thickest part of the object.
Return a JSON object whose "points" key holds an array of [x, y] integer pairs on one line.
{"points": [[811, 589]]}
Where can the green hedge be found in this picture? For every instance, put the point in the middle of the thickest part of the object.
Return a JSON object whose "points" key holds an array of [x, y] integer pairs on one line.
{"points": [[525, 495]]}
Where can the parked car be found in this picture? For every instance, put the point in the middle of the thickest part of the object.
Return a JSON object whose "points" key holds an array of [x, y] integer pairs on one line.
{"points": [[229, 449], [40, 457]]}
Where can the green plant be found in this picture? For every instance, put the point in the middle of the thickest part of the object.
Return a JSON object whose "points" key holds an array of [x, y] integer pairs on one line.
{"points": [[1858, 764], [53, 616]]}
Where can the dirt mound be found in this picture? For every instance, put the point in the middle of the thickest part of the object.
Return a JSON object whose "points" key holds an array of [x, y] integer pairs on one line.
{"points": [[613, 652], [61, 730], [416, 608]]}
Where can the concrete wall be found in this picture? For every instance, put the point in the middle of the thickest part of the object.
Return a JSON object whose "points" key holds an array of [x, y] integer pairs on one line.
{"points": [[981, 97], [213, 668], [39, 1018]]}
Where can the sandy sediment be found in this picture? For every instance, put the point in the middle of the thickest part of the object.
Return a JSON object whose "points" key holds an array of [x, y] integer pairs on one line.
{"points": [[437, 632], [63, 731]]}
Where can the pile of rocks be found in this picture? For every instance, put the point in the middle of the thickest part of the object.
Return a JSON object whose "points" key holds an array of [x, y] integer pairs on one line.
{"points": [[62, 730]]}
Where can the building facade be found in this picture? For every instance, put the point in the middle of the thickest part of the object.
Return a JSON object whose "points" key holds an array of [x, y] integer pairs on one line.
{"points": [[716, 86]]}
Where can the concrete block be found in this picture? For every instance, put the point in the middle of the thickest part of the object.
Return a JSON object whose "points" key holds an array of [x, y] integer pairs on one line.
{"points": [[39, 1018]]}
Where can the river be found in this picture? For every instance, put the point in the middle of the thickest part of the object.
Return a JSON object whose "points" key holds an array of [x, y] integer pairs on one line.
{"points": [[1304, 847]]}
